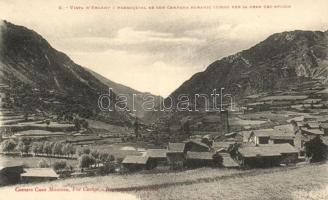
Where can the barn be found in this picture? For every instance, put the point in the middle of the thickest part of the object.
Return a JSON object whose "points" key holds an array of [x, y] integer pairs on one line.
{"points": [[157, 156], [270, 136], [38, 175], [266, 155], [10, 173], [196, 145], [199, 159], [175, 155], [134, 163]]}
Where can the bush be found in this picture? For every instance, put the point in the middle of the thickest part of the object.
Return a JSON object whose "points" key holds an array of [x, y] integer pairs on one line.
{"points": [[84, 161], [57, 148], [43, 163], [8, 145], [316, 150], [60, 165], [47, 147], [84, 151], [23, 146]]}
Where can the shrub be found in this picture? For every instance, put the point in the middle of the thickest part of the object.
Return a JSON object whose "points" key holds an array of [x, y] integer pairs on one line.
{"points": [[47, 147], [43, 163], [57, 148], [84, 161], [316, 150], [60, 165], [8, 145]]}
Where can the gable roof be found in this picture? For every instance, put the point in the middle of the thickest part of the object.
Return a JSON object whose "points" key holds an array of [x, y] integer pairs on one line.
{"points": [[199, 155], [266, 150], [39, 172], [324, 125], [198, 142], [176, 147], [286, 129], [271, 133], [313, 125], [219, 145], [156, 153], [135, 160], [284, 98], [314, 131]]}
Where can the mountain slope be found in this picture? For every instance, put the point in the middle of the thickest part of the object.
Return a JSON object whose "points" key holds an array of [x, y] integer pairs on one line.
{"points": [[134, 97], [38, 74], [275, 63]]}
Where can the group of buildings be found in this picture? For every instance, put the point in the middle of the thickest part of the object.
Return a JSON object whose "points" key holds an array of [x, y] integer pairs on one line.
{"points": [[13, 173], [283, 144]]}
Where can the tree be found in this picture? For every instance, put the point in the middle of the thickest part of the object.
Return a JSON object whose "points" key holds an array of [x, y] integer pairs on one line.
{"points": [[23, 145], [83, 151], [43, 163], [95, 154], [77, 124], [8, 145], [35, 148], [84, 161], [71, 149], [40, 148], [316, 150], [106, 158], [86, 151], [68, 149], [92, 160], [60, 165], [57, 148], [85, 124], [47, 148]]}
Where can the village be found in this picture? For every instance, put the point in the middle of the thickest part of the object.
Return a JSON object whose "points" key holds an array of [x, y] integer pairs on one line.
{"points": [[285, 128]]}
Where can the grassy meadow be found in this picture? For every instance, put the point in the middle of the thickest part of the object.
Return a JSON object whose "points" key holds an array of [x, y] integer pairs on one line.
{"points": [[297, 182]]}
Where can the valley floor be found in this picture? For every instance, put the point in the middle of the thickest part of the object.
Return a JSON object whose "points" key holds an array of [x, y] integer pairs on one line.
{"points": [[299, 182]]}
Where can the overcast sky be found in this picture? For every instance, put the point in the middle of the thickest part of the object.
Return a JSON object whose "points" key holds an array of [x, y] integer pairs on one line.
{"points": [[157, 50]]}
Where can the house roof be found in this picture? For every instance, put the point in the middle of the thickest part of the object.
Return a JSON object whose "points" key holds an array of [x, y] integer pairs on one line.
{"points": [[314, 131], [313, 125], [271, 133], [219, 145], [176, 147], [282, 137], [198, 142], [324, 125], [284, 98], [312, 100], [297, 119], [266, 150], [156, 153], [199, 155], [135, 159], [39, 172], [287, 128]]}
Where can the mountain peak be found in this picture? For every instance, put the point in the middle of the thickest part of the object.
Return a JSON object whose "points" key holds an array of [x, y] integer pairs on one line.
{"points": [[273, 63]]}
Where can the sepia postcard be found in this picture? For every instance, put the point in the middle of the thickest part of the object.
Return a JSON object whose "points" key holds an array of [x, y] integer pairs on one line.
{"points": [[164, 100]]}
